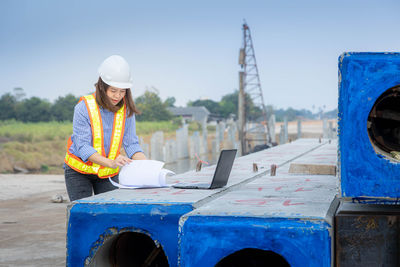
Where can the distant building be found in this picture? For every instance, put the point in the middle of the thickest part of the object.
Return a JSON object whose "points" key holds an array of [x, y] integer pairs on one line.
{"points": [[191, 113]]}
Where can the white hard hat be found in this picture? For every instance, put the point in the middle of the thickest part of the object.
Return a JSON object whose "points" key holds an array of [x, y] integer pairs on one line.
{"points": [[115, 71]]}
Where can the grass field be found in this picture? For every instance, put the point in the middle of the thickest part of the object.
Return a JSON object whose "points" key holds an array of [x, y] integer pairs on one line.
{"points": [[41, 131], [34, 132], [41, 147]]}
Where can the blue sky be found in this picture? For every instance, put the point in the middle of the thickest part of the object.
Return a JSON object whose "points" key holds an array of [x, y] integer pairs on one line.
{"points": [[189, 49]]}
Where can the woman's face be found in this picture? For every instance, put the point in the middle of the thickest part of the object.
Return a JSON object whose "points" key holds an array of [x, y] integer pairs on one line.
{"points": [[115, 94]]}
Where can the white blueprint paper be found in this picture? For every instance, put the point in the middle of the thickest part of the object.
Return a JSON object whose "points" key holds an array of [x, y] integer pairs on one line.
{"points": [[142, 173]]}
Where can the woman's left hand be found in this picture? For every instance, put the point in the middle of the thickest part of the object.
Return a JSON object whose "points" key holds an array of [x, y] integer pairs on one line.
{"points": [[139, 155]]}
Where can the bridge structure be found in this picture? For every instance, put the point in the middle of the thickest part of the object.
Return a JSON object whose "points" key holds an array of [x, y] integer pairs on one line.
{"points": [[328, 203]]}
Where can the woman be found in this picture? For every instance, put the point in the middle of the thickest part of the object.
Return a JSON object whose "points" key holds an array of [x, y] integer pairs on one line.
{"points": [[102, 123]]}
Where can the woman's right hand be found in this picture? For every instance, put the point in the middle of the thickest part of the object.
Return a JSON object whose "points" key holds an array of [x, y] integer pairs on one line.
{"points": [[119, 161], [106, 162]]}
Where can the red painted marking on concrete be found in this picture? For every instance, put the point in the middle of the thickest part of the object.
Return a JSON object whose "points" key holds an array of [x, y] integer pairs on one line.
{"points": [[180, 192], [301, 189], [166, 189], [202, 161], [148, 191], [287, 203], [308, 180], [260, 189], [143, 191], [278, 188]]}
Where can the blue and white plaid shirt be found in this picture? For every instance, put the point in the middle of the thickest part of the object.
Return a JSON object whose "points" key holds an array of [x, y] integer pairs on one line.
{"points": [[82, 146]]}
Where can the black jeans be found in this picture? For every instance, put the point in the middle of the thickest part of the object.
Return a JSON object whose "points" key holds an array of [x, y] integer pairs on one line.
{"points": [[81, 185]]}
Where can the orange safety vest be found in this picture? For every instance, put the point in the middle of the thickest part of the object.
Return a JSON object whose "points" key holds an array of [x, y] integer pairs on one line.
{"points": [[97, 141]]}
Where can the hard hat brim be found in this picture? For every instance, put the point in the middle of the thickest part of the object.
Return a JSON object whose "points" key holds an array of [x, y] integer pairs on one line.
{"points": [[117, 84]]}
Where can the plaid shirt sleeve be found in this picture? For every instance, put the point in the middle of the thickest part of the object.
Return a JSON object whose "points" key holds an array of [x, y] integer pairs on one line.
{"points": [[82, 133]]}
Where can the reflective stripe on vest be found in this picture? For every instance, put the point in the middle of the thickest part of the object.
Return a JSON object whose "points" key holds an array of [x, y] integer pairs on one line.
{"points": [[97, 141]]}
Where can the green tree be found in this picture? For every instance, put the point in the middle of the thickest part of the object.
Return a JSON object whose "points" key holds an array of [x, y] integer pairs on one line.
{"points": [[254, 111], [170, 102], [33, 109], [229, 105], [63, 108], [210, 105], [152, 108], [292, 114], [7, 107]]}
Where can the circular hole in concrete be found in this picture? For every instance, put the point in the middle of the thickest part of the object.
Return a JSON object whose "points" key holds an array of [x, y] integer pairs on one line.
{"points": [[137, 249], [384, 124], [251, 257], [130, 249]]}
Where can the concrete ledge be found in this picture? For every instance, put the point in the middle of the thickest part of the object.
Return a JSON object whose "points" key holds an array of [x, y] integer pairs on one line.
{"points": [[318, 169]]}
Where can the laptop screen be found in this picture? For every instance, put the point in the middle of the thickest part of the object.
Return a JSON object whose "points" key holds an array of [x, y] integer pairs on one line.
{"points": [[223, 169]]}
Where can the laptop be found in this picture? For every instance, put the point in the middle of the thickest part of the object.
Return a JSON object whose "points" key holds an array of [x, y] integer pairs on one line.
{"points": [[221, 174]]}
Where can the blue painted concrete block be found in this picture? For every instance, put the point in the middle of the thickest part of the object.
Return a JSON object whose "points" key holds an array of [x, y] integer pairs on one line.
{"points": [[288, 216], [91, 224], [206, 240], [366, 169]]}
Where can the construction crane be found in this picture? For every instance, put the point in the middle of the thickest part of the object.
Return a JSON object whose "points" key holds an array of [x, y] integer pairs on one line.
{"points": [[250, 86]]}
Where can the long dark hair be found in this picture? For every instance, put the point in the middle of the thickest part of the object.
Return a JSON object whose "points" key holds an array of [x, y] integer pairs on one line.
{"points": [[103, 101]]}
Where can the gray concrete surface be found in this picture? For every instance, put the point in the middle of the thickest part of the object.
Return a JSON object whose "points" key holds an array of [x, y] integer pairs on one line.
{"points": [[32, 227]]}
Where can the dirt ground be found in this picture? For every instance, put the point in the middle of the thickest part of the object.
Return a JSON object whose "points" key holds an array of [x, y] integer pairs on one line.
{"points": [[32, 227]]}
